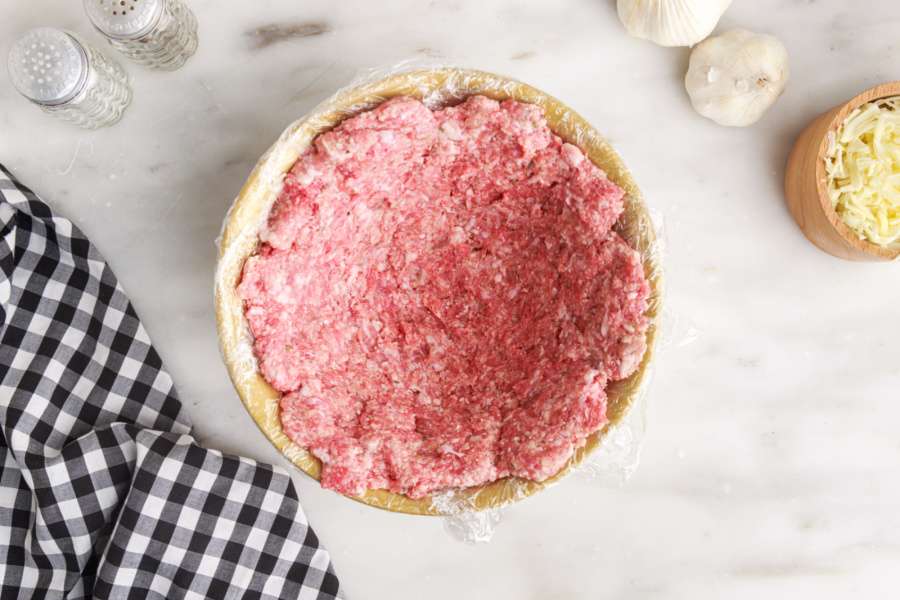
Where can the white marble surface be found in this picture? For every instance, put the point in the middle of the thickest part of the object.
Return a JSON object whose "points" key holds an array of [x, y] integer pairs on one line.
{"points": [[771, 466]]}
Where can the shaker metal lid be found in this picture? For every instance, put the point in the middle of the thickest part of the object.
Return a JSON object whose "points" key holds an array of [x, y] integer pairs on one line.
{"points": [[48, 66], [124, 19]]}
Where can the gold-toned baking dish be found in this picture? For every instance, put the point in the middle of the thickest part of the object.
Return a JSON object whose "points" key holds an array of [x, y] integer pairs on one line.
{"points": [[239, 240]]}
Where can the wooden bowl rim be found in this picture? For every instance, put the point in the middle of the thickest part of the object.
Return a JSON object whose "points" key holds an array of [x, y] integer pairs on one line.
{"points": [[878, 92]]}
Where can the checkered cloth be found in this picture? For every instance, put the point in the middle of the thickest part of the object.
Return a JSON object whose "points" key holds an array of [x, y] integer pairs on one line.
{"points": [[103, 492]]}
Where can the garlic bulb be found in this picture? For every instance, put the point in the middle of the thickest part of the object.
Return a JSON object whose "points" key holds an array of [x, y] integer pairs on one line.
{"points": [[735, 77], [671, 22]]}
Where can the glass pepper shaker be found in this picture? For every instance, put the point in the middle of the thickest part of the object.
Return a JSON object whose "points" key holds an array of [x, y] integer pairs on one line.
{"points": [[161, 34], [67, 78]]}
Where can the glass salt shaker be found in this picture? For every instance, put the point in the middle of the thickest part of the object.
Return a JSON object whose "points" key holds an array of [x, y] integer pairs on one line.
{"points": [[67, 78], [161, 34]]}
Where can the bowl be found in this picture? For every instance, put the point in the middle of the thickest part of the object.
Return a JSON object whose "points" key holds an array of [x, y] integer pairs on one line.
{"points": [[437, 87], [805, 185]]}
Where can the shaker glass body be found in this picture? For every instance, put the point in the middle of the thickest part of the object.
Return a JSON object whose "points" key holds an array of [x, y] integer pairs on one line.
{"points": [[160, 34], [68, 78]]}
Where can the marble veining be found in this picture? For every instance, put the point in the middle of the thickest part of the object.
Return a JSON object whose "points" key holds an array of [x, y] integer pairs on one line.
{"points": [[771, 457], [265, 36]]}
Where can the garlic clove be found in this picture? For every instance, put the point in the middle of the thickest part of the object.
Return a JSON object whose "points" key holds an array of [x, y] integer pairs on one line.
{"points": [[671, 22], [735, 77]]}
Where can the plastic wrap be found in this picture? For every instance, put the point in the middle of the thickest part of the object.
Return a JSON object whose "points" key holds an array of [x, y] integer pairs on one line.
{"points": [[611, 452]]}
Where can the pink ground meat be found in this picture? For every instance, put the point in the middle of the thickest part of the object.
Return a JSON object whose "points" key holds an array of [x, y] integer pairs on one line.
{"points": [[441, 299]]}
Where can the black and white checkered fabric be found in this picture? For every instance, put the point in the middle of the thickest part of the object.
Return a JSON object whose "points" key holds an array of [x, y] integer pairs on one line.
{"points": [[103, 492]]}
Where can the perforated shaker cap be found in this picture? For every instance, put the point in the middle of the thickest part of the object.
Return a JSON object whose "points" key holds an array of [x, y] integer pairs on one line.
{"points": [[124, 19], [48, 66]]}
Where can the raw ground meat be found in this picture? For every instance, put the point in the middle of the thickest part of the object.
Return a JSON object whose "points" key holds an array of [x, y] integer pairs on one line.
{"points": [[441, 299]]}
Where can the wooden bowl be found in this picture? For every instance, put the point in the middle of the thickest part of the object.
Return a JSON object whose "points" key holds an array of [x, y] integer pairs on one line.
{"points": [[805, 185], [240, 240]]}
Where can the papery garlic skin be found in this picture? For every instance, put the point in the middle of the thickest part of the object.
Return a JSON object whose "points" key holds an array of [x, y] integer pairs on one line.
{"points": [[734, 78], [671, 22]]}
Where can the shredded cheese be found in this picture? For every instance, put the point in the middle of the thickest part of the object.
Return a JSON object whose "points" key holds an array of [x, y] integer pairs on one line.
{"points": [[862, 164]]}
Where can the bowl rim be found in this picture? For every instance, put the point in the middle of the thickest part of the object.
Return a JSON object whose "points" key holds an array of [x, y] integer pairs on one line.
{"points": [[877, 92], [261, 401]]}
